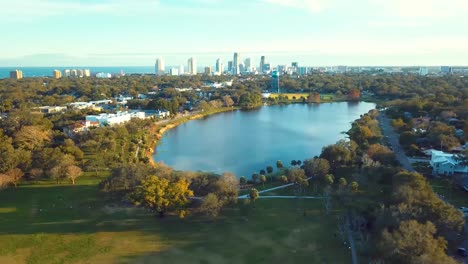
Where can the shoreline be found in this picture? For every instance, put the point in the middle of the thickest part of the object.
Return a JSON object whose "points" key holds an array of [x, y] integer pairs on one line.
{"points": [[158, 130]]}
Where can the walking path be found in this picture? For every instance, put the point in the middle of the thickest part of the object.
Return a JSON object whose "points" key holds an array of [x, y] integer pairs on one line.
{"points": [[272, 189]]}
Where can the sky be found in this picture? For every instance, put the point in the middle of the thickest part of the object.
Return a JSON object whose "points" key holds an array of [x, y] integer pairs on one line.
{"points": [[312, 32]]}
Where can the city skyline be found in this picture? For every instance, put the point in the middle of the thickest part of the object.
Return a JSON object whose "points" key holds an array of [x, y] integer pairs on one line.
{"points": [[314, 32]]}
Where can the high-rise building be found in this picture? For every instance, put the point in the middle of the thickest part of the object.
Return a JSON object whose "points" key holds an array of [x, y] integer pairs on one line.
{"points": [[266, 68], [262, 64], [57, 74], [16, 74], [66, 73], [87, 73], [219, 66], [80, 73], [302, 70], [275, 75], [446, 69], [192, 66], [159, 66], [208, 70], [423, 71], [295, 64], [181, 70], [74, 73], [174, 71], [236, 69], [230, 67], [248, 64]]}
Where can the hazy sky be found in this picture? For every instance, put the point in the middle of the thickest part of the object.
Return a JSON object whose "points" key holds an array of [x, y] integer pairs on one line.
{"points": [[313, 32]]}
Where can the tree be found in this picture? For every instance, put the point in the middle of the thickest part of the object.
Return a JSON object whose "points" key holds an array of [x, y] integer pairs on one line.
{"points": [[5, 180], [269, 169], [262, 172], [242, 180], [343, 182], [381, 154], [15, 175], [354, 94], [279, 164], [253, 194], [255, 177], [295, 174], [354, 186], [73, 172], [263, 179], [316, 167], [161, 195], [298, 162], [413, 242], [329, 179], [284, 179], [31, 137], [211, 205], [228, 102], [227, 188], [293, 163]]}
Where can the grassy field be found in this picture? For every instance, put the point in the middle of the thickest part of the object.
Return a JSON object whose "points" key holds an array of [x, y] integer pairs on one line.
{"points": [[297, 96], [453, 193], [46, 223]]}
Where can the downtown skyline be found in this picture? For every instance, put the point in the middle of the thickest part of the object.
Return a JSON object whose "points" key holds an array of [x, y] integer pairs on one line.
{"points": [[313, 32]]}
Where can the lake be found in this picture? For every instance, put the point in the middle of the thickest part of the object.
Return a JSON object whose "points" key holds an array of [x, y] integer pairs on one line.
{"points": [[244, 142]]}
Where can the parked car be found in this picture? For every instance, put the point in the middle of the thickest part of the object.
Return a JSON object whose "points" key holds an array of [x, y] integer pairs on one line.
{"points": [[462, 252]]}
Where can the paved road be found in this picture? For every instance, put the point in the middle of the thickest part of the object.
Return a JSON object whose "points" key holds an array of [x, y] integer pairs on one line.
{"points": [[284, 197], [393, 137], [271, 189]]}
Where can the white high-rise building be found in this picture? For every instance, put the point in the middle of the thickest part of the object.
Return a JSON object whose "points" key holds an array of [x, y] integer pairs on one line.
{"points": [[159, 66], [219, 66], [174, 71], [192, 66], [181, 70]]}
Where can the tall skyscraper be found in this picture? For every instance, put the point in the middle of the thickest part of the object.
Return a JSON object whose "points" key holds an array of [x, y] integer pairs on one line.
{"points": [[159, 66], [192, 66], [174, 71], [230, 67], [262, 64], [208, 70], [66, 73], [236, 63], [87, 73], [16, 74], [181, 70], [57, 74], [275, 75], [248, 64], [219, 66]]}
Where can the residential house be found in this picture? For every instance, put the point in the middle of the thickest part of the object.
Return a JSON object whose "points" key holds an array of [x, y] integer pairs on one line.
{"points": [[446, 164]]}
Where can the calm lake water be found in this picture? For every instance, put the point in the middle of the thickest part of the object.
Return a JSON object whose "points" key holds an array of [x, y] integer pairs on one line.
{"points": [[244, 142]]}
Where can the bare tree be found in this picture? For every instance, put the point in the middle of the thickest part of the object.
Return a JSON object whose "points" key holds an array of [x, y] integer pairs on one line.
{"points": [[73, 172]]}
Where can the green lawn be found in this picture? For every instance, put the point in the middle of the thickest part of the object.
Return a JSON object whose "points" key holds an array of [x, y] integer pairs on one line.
{"points": [[453, 193], [46, 223]]}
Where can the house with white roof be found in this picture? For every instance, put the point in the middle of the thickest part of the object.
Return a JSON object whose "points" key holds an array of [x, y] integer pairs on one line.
{"points": [[113, 119], [446, 164]]}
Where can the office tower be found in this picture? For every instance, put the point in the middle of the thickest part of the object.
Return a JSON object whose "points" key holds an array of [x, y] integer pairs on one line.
{"points": [[248, 64], [342, 68], [192, 66], [80, 73], [446, 69], [302, 70], [281, 68], [16, 74], [208, 70], [423, 71], [275, 75], [57, 74], [159, 66], [174, 71], [181, 70], [295, 64], [87, 73], [236, 63], [219, 66], [262, 64], [73, 73], [266, 68], [66, 73], [230, 67]]}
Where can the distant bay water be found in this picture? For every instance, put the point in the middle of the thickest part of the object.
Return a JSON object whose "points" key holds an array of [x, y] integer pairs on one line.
{"points": [[47, 71]]}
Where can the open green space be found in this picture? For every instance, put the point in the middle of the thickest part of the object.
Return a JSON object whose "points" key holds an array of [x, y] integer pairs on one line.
{"points": [[451, 192], [47, 223]]}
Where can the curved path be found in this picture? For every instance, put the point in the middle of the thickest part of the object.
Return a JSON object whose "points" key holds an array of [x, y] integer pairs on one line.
{"points": [[272, 189]]}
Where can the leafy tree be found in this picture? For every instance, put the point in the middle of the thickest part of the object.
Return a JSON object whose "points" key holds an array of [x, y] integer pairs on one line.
{"points": [[293, 163], [255, 177], [227, 100], [354, 94], [161, 195], [413, 242], [295, 174], [381, 154], [73, 172], [269, 169], [242, 180], [329, 179], [298, 162], [354, 186], [263, 179], [279, 164], [262, 172], [253, 194], [32, 137], [211, 205], [343, 182], [15, 176], [227, 188], [284, 179], [316, 167]]}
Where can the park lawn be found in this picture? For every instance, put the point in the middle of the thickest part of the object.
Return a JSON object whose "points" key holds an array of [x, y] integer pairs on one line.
{"points": [[453, 193], [50, 223], [290, 95]]}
